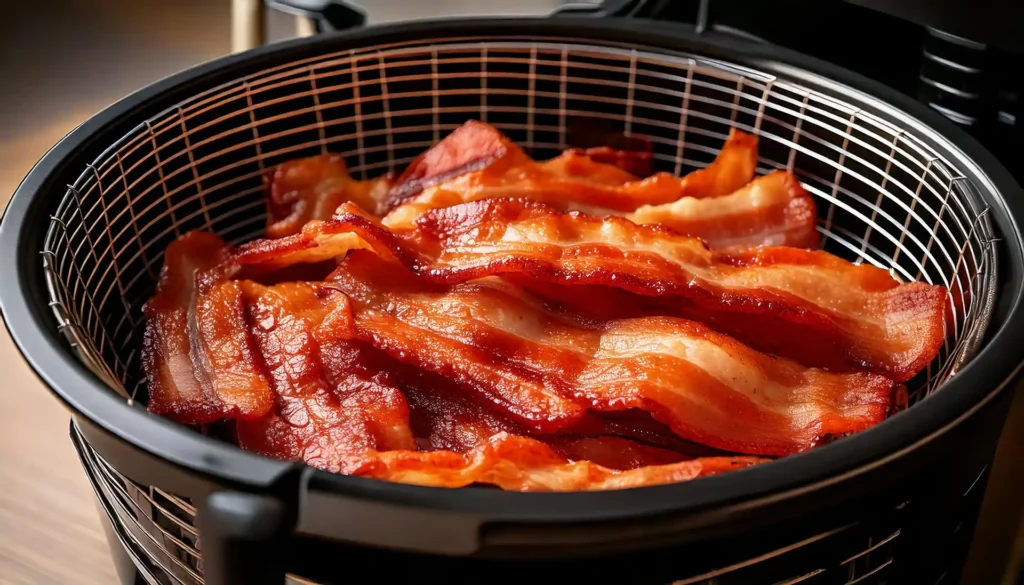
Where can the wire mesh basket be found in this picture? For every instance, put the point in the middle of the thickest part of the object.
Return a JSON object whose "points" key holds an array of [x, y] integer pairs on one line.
{"points": [[886, 197]]}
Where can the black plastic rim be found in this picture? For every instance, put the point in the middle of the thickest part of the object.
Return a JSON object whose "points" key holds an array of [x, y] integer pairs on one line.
{"points": [[31, 324]]}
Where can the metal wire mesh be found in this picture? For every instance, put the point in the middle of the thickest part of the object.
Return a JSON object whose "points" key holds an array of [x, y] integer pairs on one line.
{"points": [[885, 197], [157, 530]]}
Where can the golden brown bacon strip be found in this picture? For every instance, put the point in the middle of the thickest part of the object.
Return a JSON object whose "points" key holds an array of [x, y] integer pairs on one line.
{"points": [[339, 408], [806, 305], [539, 369], [477, 161], [312, 188], [715, 204], [523, 464], [196, 354]]}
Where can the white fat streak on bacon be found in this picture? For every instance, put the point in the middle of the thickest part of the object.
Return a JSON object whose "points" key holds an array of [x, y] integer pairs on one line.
{"points": [[775, 211]]}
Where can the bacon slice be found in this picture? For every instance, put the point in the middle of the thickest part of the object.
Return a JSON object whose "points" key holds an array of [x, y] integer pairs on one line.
{"points": [[716, 204], [312, 188], [538, 404], [806, 305], [334, 403], [523, 464], [477, 161], [339, 408], [539, 369], [197, 356], [773, 210]]}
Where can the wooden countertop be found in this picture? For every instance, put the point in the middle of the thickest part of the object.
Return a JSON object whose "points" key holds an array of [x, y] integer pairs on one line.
{"points": [[50, 531]]}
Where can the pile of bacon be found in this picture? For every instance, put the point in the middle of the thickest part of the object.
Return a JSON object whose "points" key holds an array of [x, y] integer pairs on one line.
{"points": [[560, 325]]}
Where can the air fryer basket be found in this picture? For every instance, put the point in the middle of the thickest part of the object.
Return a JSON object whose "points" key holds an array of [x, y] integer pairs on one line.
{"points": [[191, 154]]}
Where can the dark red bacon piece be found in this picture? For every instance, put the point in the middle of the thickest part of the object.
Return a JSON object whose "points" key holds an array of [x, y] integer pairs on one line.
{"points": [[542, 370], [334, 404], [340, 407], [196, 353]]}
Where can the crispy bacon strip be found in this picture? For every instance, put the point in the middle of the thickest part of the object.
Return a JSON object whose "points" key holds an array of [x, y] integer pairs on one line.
{"points": [[312, 188], [477, 161], [806, 305], [523, 464], [339, 408], [538, 369], [540, 405], [334, 403], [716, 204], [773, 210], [197, 355]]}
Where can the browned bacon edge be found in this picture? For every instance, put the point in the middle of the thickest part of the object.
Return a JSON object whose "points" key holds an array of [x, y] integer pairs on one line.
{"points": [[771, 321]]}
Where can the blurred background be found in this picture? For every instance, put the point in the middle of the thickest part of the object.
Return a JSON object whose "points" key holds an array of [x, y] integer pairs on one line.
{"points": [[67, 61]]}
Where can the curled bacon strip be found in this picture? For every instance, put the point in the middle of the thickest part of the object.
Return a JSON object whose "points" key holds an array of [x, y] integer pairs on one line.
{"points": [[312, 188], [196, 353], [477, 161], [773, 210], [807, 305], [543, 371], [523, 464]]}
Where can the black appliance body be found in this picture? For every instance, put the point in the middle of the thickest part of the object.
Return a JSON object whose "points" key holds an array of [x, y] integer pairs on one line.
{"points": [[959, 57], [898, 185]]}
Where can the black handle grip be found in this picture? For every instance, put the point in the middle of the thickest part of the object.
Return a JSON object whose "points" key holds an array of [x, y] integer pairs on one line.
{"points": [[242, 537], [327, 15]]}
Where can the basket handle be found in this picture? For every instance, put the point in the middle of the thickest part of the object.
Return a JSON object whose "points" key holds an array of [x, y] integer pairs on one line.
{"points": [[242, 537], [322, 15], [248, 19]]}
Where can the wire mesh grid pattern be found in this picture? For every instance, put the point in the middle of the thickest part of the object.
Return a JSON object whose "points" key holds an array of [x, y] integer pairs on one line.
{"points": [[156, 528], [885, 197]]}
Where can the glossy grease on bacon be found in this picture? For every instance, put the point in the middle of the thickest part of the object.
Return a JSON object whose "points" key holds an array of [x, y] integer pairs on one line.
{"points": [[806, 305], [576, 323], [477, 162], [544, 370]]}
